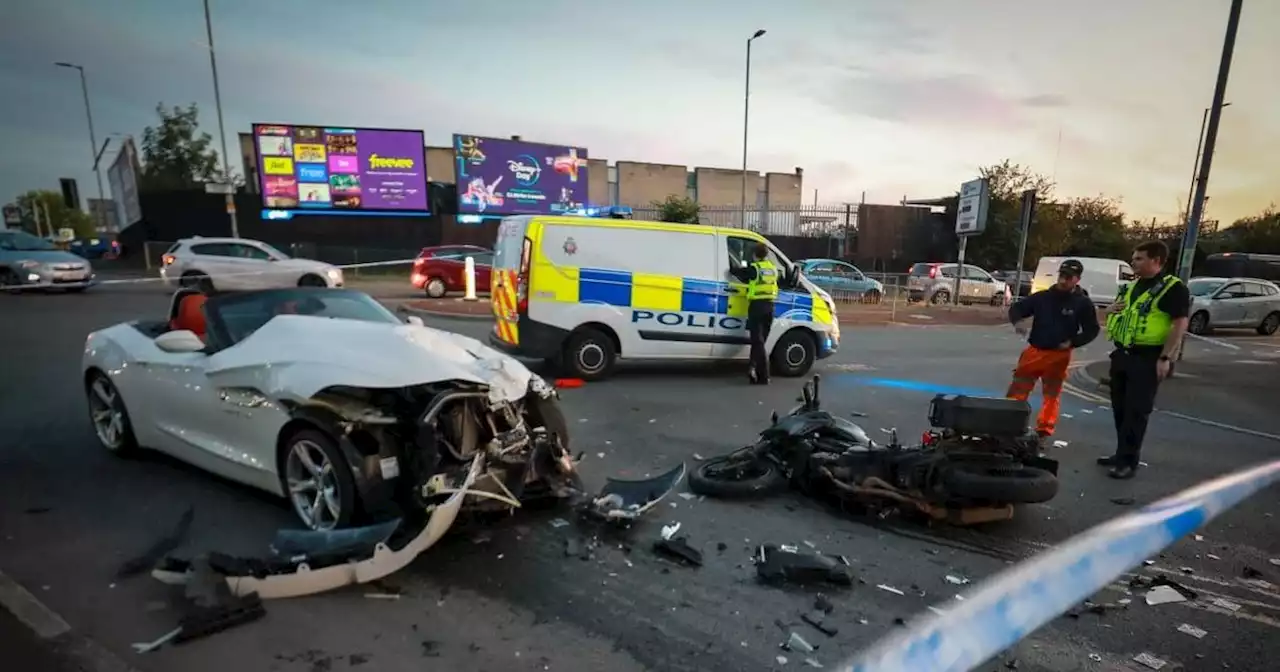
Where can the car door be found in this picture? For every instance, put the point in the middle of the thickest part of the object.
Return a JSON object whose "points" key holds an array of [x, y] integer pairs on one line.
{"points": [[822, 273], [947, 274], [1254, 304], [254, 269], [1228, 305], [849, 278], [974, 282], [210, 259], [179, 399], [731, 324]]}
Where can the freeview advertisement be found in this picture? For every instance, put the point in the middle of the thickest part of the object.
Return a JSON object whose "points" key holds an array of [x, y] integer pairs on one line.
{"points": [[340, 171]]}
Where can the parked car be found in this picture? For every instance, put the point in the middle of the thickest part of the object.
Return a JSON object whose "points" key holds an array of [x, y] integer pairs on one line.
{"points": [[1021, 286], [1234, 302], [935, 281], [1102, 278], [31, 262], [440, 270], [842, 280], [95, 248], [222, 264]]}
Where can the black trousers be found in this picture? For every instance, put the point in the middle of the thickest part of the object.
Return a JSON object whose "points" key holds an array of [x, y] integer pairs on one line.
{"points": [[759, 321], [1134, 383]]}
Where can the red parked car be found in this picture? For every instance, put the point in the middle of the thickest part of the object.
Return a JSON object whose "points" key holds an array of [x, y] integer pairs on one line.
{"points": [[440, 270]]}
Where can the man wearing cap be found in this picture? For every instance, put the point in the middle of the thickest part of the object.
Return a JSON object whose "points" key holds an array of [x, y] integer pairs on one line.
{"points": [[1063, 319]]}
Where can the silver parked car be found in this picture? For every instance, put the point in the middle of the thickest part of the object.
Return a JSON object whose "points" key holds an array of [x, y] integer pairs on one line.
{"points": [[935, 281], [1234, 302], [31, 262]]}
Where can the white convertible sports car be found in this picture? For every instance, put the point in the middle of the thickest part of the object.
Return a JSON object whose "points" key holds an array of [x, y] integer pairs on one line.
{"points": [[325, 397]]}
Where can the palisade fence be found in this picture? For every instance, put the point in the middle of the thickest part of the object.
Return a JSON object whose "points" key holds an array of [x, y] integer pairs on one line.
{"points": [[808, 221]]}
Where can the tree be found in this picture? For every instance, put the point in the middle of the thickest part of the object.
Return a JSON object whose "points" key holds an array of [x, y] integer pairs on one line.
{"points": [[678, 209], [1259, 233], [175, 154], [1095, 228], [53, 211]]}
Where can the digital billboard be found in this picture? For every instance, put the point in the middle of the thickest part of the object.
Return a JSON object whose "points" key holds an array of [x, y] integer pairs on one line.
{"points": [[512, 177], [341, 170]]}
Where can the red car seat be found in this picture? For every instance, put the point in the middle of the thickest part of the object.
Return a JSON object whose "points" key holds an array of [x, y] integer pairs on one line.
{"points": [[190, 315]]}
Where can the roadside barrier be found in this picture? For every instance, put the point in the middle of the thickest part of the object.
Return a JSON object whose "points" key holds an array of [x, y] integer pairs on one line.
{"points": [[1010, 605]]}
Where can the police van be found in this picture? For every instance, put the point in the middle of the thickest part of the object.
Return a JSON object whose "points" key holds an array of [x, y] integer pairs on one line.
{"points": [[587, 293]]}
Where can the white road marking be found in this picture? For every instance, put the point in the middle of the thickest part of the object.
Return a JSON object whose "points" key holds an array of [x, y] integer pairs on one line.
{"points": [[1215, 341]]}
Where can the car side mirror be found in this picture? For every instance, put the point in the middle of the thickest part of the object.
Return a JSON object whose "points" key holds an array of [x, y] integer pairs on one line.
{"points": [[415, 321], [179, 341]]}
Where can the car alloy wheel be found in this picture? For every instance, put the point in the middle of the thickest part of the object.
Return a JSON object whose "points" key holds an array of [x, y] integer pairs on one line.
{"points": [[312, 481], [940, 297], [1199, 323], [107, 411], [436, 288]]}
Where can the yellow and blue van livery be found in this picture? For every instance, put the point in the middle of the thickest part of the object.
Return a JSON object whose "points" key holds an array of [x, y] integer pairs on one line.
{"points": [[590, 292]]}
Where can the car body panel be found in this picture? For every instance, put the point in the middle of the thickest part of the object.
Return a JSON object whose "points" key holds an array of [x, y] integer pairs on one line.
{"points": [[240, 264], [49, 268], [448, 263], [839, 278]]}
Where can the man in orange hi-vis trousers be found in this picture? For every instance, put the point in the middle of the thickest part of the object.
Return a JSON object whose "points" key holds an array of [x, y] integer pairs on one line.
{"points": [[1063, 319]]}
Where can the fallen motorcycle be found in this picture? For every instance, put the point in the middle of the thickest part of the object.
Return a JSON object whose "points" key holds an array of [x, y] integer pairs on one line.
{"points": [[979, 454]]}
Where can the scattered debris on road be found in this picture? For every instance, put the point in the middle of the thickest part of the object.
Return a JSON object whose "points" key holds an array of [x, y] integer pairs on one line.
{"points": [[890, 589], [625, 501], [1188, 629], [210, 608], [787, 564], [678, 549], [797, 643], [1123, 501], [1164, 595], [1150, 661], [957, 580]]}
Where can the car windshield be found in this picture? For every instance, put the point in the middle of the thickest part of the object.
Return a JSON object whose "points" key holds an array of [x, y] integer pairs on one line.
{"points": [[22, 241], [1204, 287], [239, 315]]}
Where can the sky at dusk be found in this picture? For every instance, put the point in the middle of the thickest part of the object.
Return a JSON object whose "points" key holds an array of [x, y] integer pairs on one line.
{"points": [[891, 98]]}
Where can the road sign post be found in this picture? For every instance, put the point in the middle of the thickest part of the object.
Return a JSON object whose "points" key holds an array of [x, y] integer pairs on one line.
{"points": [[971, 220]]}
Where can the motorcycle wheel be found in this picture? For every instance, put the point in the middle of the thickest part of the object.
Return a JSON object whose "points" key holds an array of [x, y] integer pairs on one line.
{"points": [[736, 476], [1005, 484]]}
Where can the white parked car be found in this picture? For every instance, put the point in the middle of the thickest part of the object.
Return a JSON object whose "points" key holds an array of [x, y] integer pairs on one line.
{"points": [[223, 264], [1234, 302], [325, 397]]}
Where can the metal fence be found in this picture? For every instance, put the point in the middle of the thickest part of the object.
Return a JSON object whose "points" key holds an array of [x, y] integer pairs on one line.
{"points": [[817, 221]]}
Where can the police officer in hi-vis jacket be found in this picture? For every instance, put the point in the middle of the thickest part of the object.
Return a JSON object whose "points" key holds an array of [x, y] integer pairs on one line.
{"points": [[761, 276]]}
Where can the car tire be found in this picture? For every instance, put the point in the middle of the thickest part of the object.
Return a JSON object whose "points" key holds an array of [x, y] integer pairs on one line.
{"points": [[996, 483], [793, 355], [940, 297], [9, 281], [436, 288], [589, 354], [997, 299], [103, 397], [1269, 324], [872, 296], [312, 280], [1199, 323], [332, 511]]}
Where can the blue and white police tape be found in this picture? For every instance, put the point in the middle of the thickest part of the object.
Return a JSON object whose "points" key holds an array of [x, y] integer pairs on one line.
{"points": [[1014, 603]]}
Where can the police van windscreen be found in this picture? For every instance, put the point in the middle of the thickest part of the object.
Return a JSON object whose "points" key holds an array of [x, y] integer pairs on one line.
{"points": [[506, 251]]}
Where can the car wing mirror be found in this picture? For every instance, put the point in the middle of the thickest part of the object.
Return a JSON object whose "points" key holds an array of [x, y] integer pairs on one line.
{"points": [[415, 321], [179, 341]]}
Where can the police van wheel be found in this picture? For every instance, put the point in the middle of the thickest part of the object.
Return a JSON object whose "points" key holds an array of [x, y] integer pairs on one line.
{"points": [[794, 354], [589, 354]]}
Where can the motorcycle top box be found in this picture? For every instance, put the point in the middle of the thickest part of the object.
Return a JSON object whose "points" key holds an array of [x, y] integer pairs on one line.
{"points": [[992, 416]]}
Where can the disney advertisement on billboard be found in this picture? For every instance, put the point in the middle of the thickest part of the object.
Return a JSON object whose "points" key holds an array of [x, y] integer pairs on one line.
{"points": [[512, 177]]}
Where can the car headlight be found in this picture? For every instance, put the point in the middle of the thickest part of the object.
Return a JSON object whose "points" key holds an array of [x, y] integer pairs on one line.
{"points": [[335, 274], [28, 263]]}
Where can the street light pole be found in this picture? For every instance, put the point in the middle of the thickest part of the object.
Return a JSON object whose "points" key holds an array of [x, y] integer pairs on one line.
{"points": [[93, 139], [222, 131], [1210, 140], [1195, 166], [746, 118]]}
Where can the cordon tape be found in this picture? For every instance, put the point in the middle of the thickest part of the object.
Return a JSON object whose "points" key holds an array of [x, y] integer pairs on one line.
{"points": [[342, 267], [1012, 604]]}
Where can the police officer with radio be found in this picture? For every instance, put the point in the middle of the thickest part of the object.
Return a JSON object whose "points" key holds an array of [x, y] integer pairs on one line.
{"points": [[761, 277], [1147, 323]]}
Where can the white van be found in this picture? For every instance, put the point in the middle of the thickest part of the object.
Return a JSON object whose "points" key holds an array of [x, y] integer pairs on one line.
{"points": [[587, 293], [1102, 278]]}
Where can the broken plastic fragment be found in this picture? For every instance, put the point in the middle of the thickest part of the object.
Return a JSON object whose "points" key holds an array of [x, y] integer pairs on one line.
{"points": [[957, 580], [1149, 661], [559, 522], [678, 549], [1188, 629], [349, 541], [778, 564], [1060, 444], [1224, 604], [797, 643], [628, 500], [812, 663], [1164, 595], [890, 589], [669, 530]]}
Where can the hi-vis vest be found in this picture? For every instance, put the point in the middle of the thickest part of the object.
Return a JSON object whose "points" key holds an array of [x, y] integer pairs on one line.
{"points": [[1142, 322], [765, 284]]}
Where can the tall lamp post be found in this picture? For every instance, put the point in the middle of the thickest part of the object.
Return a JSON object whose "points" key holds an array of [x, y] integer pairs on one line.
{"points": [[746, 117], [93, 138], [227, 187], [1188, 251], [1195, 166]]}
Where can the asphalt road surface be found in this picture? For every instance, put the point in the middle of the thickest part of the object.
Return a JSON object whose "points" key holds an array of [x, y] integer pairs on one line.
{"points": [[507, 597]]}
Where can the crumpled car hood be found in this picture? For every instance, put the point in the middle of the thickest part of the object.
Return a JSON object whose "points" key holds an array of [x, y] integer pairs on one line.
{"points": [[296, 356]]}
